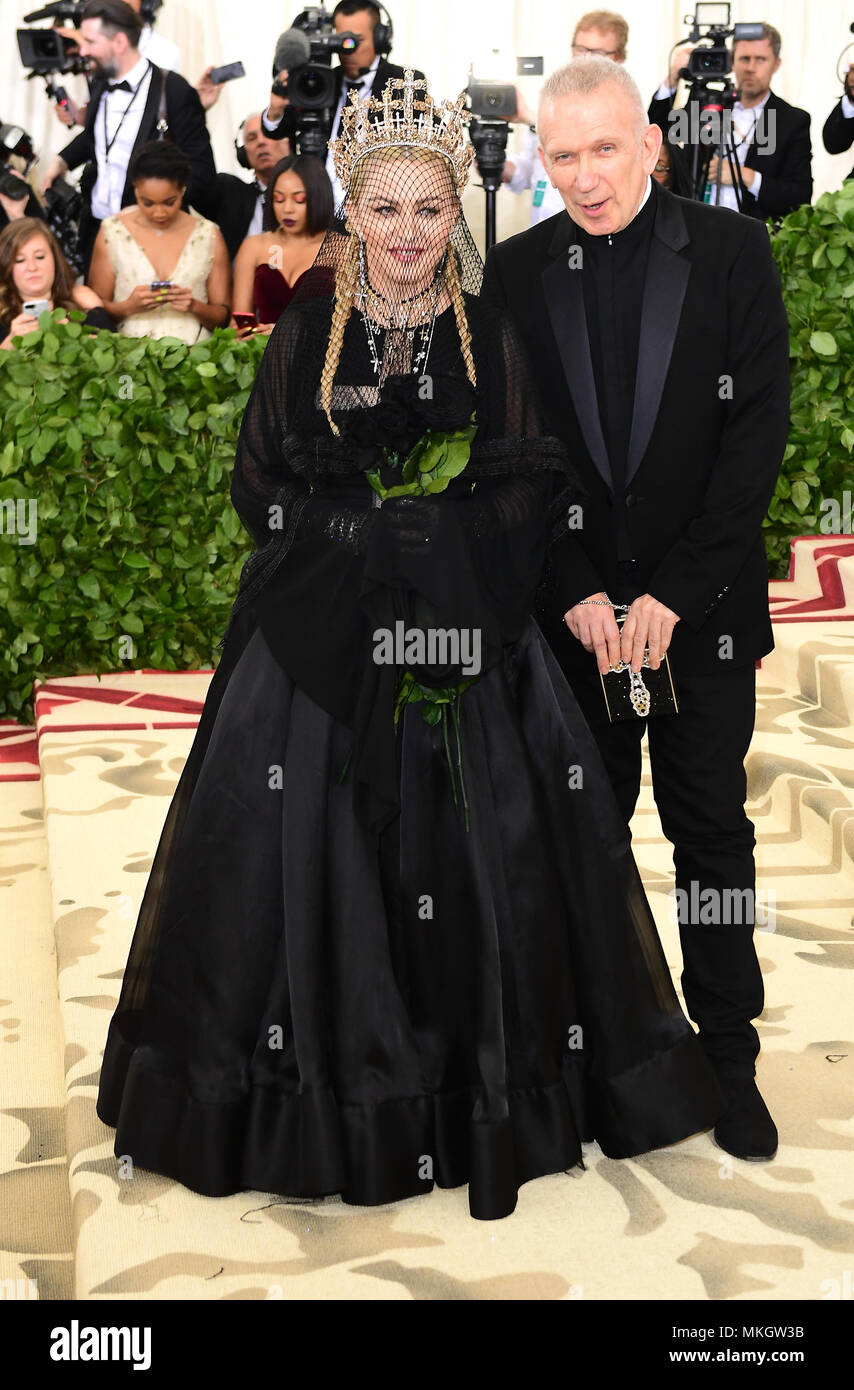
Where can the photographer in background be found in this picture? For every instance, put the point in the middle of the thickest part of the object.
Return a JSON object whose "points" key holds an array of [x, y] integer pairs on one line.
{"points": [[365, 70], [599, 34], [127, 93], [238, 205], [838, 132], [153, 46], [777, 169]]}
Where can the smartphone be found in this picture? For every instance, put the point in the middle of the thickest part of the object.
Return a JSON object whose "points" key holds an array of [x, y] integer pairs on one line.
{"points": [[160, 285], [244, 320], [227, 73], [36, 306]]}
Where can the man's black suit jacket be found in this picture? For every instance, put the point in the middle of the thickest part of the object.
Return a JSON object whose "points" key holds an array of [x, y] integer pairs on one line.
{"points": [[785, 163], [232, 208], [385, 71], [838, 132], [701, 469], [187, 130]]}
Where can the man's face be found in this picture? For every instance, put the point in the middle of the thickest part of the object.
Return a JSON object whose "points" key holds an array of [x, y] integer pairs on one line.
{"points": [[101, 52], [598, 157], [753, 66], [601, 43], [360, 23], [261, 151]]}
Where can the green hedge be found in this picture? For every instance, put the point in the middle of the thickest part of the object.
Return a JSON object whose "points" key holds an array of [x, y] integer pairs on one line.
{"points": [[814, 250], [127, 446]]}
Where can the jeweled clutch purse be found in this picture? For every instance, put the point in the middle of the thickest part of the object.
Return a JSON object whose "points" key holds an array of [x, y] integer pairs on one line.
{"points": [[642, 694]]}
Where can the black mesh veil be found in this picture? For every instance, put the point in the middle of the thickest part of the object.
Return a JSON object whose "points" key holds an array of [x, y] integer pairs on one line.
{"points": [[385, 340]]}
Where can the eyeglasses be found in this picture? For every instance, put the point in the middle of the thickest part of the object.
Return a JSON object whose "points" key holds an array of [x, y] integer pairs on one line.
{"points": [[578, 51]]}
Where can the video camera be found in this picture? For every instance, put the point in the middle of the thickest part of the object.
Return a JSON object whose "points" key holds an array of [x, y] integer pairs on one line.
{"points": [[713, 61], [47, 51], [708, 110], [305, 51]]}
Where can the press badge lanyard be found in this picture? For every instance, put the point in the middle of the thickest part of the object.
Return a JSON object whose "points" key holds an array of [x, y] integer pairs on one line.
{"points": [[108, 144]]}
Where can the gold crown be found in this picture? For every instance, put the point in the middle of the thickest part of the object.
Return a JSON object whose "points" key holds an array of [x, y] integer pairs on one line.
{"points": [[407, 121]]}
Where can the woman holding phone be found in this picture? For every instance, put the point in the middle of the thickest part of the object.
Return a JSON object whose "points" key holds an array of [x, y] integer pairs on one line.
{"points": [[35, 277], [162, 272], [268, 268]]}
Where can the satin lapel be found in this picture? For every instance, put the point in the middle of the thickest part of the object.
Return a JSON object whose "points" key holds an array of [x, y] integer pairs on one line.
{"points": [[663, 296], [565, 302]]}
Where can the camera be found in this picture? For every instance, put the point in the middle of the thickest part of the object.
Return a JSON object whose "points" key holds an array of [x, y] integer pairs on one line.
{"points": [[64, 205], [305, 52], [714, 60], [708, 109], [45, 51], [15, 143]]}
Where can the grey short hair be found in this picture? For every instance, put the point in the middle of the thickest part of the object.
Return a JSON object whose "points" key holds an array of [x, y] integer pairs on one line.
{"points": [[586, 75]]}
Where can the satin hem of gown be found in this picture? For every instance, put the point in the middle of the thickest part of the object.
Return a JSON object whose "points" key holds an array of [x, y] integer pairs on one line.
{"points": [[373, 1154]]}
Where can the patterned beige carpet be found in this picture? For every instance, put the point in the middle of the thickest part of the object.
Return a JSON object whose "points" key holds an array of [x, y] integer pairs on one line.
{"points": [[77, 832]]}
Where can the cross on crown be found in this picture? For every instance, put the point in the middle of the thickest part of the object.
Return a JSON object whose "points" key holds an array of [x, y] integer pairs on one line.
{"points": [[407, 120]]}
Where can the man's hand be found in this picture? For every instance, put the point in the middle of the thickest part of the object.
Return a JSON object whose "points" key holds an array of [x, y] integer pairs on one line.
{"points": [[748, 175], [208, 91], [14, 208], [54, 170], [596, 628], [679, 61], [277, 105], [523, 112], [648, 624]]}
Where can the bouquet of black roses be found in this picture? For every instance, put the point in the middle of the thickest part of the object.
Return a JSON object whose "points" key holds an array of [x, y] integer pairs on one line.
{"points": [[424, 426]]}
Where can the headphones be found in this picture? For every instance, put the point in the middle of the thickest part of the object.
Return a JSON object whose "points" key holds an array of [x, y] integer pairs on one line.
{"points": [[240, 148], [148, 10], [383, 33]]}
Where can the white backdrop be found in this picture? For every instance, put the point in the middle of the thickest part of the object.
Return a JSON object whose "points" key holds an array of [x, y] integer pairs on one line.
{"points": [[443, 37]]}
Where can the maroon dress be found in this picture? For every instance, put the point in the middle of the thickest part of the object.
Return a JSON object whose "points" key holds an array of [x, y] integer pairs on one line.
{"points": [[272, 293]]}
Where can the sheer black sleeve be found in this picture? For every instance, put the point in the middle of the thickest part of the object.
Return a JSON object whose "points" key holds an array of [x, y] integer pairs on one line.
{"points": [[262, 483]]}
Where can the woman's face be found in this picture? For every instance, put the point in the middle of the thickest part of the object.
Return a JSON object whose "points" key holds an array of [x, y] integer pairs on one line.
{"points": [[662, 170], [159, 200], [290, 203], [404, 210], [34, 270]]}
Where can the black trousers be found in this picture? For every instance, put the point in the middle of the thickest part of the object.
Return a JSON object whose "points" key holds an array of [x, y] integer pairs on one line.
{"points": [[699, 783]]}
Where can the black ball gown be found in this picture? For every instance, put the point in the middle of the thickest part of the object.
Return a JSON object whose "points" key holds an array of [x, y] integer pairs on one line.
{"points": [[374, 957]]}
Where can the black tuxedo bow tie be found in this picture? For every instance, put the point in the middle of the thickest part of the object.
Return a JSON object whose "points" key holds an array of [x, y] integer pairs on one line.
{"points": [[119, 87], [354, 85]]}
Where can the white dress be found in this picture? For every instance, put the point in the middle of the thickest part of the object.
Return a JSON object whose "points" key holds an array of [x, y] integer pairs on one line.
{"points": [[132, 267]]}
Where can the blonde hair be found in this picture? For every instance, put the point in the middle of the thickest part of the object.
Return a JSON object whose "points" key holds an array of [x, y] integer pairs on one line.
{"points": [[586, 75], [607, 22], [347, 279]]}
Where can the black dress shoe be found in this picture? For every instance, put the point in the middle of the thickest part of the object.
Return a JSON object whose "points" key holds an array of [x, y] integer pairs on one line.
{"points": [[746, 1129]]}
